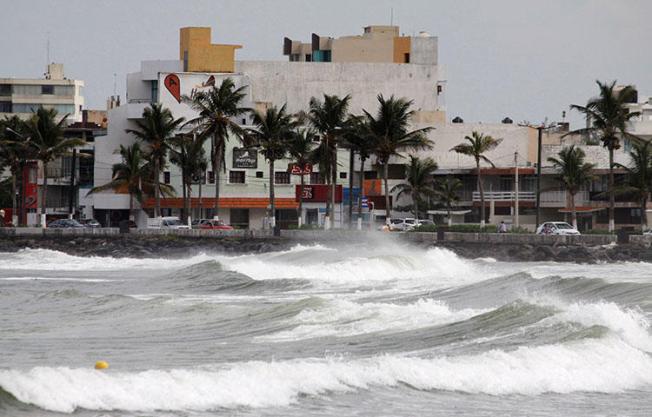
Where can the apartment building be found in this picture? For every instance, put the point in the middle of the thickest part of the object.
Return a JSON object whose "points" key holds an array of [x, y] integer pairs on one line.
{"points": [[20, 96]]}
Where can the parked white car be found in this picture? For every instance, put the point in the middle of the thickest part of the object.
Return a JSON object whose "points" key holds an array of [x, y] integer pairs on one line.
{"points": [[556, 228], [166, 223]]}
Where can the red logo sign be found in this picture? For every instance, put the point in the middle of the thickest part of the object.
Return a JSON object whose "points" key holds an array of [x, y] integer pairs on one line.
{"points": [[296, 169], [173, 85]]}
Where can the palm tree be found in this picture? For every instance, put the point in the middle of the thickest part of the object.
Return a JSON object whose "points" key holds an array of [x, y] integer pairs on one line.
{"points": [[48, 143], [574, 173], [157, 127], [218, 108], [478, 145], [639, 178], [608, 117], [446, 192], [419, 179], [187, 152], [359, 141], [272, 132], [134, 176], [329, 119], [300, 149], [14, 151], [390, 133]]}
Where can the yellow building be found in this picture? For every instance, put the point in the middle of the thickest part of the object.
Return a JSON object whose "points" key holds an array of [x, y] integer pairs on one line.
{"points": [[200, 55]]}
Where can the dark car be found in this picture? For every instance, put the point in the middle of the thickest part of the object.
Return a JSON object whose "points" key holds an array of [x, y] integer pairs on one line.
{"points": [[91, 223], [64, 224]]}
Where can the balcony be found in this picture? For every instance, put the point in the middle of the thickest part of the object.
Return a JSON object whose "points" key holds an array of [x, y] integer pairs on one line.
{"points": [[505, 196]]}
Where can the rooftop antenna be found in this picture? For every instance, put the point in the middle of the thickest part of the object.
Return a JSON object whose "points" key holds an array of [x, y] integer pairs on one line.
{"points": [[391, 16], [48, 49], [115, 85]]}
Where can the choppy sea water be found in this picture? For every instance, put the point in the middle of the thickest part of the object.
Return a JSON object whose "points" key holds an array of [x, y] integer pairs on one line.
{"points": [[365, 330]]}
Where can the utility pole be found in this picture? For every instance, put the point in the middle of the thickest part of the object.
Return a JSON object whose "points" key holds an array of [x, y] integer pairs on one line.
{"points": [[539, 140], [516, 223]]}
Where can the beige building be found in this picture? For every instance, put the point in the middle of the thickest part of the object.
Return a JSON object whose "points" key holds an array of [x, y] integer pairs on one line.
{"points": [[54, 91], [377, 44]]}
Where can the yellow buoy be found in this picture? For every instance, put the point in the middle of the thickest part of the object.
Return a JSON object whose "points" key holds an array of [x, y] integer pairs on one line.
{"points": [[101, 365]]}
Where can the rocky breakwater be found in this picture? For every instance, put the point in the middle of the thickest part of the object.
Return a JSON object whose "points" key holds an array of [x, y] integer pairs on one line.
{"points": [[135, 246], [551, 253]]}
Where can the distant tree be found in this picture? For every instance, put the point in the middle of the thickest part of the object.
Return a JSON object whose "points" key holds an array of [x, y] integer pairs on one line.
{"points": [[187, 152], [639, 176], [573, 173], [419, 181], [329, 119], [609, 116], [272, 133], [155, 130], [446, 192], [134, 175], [218, 108], [14, 152], [391, 135], [300, 149], [48, 142], [478, 144]]}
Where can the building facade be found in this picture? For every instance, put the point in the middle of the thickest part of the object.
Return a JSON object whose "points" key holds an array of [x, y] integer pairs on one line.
{"points": [[54, 91]]}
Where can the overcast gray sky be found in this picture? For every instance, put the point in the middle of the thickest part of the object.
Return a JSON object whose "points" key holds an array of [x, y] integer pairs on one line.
{"points": [[527, 59]]}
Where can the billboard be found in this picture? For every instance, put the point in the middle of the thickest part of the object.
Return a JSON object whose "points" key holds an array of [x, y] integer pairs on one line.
{"points": [[318, 193], [245, 158]]}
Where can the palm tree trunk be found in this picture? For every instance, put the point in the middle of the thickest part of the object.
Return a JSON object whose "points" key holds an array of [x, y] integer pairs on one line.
{"points": [[44, 192], [572, 207], [157, 188], [416, 205], [385, 175], [217, 167], [643, 214], [351, 156], [612, 194], [481, 189], [14, 203], [201, 179], [300, 209], [131, 205], [272, 208], [450, 219], [334, 183], [361, 180]]}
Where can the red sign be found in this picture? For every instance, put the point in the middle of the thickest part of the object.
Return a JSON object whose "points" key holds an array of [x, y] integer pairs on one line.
{"points": [[318, 193], [297, 169], [173, 85], [30, 186]]}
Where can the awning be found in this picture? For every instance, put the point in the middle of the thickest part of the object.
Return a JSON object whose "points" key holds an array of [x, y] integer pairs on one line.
{"points": [[453, 212], [226, 202], [580, 210]]}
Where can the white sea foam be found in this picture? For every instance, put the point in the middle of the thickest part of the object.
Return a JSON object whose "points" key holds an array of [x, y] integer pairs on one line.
{"points": [[605, 366], [436, 267], [630, 325], [346, 318], [47, 260]]}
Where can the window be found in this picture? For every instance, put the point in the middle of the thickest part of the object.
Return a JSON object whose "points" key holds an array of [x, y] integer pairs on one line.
{"points": [[47, 89], [281, 177], [5, 106], [406, 57], [154, 97], [308, 58], [342, 175], [5, 89], [166, 177], [316, 178], [64, 90], [259, 174], [370, 175], [211, 177], [236, 177]]}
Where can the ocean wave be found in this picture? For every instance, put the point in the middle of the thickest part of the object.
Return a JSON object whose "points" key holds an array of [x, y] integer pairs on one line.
{"points": [[605, 366]]}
